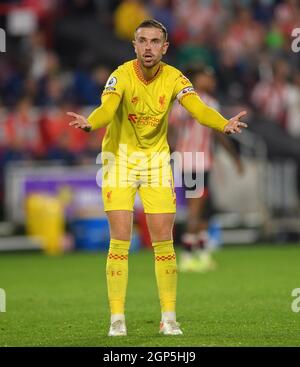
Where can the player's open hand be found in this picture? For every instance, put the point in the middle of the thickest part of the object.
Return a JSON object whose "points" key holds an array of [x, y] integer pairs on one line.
{"points": [[235, 125], [79, 122]]}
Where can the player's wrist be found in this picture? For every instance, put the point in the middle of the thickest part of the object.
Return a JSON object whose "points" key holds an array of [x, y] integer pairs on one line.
{"points": [[225, 126], [87, 128]]}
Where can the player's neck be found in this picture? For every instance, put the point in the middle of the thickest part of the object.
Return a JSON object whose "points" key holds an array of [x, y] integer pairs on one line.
{"points": [[149, 73]]}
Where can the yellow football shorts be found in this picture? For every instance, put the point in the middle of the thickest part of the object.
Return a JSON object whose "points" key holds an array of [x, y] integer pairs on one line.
{"points": [[155, 188]]}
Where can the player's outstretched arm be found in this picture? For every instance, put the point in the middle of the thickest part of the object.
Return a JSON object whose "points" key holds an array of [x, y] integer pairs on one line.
{"points": [[235, 125], [79, 121], [208, 116], [100, 117]]}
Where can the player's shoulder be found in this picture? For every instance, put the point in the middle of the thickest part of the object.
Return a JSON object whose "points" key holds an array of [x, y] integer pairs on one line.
{"points": [[124, 68], [175, 74], [171, 71], [119, 76]]}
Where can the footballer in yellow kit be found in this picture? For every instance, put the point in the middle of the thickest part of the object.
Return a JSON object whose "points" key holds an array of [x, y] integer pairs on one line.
{"points": [[135, 156], [137, 137]]}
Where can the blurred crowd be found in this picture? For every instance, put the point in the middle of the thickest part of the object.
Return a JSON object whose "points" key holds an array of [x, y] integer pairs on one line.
{"points": [[54, 63]]}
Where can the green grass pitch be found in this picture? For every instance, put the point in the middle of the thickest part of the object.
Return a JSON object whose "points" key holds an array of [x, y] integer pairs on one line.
{"points": [[62, 301]]}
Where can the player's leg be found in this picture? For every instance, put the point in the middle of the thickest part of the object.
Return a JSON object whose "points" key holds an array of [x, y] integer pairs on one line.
{"points": [[160, 207], [161, 228], [194, 207], [195, 256], [190, 237], [203, 249], [118, 204], [120, 223]]}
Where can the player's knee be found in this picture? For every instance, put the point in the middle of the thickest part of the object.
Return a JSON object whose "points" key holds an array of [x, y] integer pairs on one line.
{"points": [[161, 235], [121, 234]]}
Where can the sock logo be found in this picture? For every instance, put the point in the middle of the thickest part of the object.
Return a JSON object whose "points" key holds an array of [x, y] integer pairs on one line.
{"points": [[171, 271], [115, 273]]}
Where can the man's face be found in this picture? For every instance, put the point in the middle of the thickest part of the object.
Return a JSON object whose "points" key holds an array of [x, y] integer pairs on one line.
{"points": [[150, 46]]}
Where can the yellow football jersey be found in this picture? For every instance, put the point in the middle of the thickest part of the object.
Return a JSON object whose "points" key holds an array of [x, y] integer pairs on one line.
{"points": [[135, 152], [141, 120]]}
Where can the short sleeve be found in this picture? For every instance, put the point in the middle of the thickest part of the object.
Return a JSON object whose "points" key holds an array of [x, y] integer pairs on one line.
{"points": [[182, 87], [115, 84]]}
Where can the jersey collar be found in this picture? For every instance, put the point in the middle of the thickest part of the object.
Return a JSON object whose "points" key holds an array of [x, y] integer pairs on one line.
{"points": [[140, 75]]}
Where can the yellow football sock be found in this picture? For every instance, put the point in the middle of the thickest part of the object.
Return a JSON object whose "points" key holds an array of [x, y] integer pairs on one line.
{"points": [[117, 275], [166, 274]]}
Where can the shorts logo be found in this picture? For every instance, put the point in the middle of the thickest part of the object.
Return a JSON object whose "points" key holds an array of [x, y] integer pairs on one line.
{"points": [[132, 117], [108, 195], [134, 100]]}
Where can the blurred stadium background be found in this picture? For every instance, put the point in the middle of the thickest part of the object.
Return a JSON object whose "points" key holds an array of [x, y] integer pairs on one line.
{"points": [[58, 57]]}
